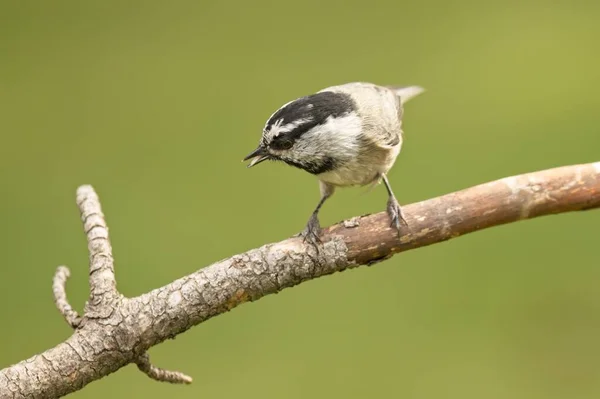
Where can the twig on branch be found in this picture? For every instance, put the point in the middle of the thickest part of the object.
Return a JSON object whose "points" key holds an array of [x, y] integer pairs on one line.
{"points": [[103, 286], [115, 331], [60, 296], [104, 297], [175, 377]]}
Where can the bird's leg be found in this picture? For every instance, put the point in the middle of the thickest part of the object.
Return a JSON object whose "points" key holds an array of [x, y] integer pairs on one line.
{"points": [[393, 207], [313, 228]]}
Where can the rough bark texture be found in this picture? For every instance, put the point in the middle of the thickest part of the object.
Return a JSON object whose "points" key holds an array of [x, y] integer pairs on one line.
{"points": [[115, 331]]}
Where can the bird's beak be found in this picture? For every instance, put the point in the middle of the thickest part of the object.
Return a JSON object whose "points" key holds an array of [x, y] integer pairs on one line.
{"points": [[259, 155]]}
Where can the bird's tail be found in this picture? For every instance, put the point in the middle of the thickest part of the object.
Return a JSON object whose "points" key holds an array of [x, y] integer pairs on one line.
{"points": [[406, 93]]}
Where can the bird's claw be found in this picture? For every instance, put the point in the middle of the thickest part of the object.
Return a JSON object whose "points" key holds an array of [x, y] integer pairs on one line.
{"points": [[396, 215], [311, 232]]}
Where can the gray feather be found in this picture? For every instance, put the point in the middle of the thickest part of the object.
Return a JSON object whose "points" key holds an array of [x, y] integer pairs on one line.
{"points": [[406, 93]]}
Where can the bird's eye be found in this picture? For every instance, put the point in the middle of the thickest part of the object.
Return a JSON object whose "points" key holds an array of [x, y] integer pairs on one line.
{"points": [[282, 144]]}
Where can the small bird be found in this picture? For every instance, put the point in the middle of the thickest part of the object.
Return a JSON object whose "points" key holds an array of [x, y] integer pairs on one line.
{"points": [[346, 135]]}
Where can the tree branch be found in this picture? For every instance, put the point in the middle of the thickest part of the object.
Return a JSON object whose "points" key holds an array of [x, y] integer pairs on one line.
{"points": [[115, 331]]}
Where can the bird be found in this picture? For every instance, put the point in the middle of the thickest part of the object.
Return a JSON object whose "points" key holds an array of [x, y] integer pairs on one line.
{"points": [[346, 135]]}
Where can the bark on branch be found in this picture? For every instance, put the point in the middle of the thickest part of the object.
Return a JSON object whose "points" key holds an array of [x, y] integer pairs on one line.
{"points": [[115, 331]]}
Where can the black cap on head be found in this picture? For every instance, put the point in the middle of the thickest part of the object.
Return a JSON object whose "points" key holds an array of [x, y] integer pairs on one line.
{"points": [[307, 112]]}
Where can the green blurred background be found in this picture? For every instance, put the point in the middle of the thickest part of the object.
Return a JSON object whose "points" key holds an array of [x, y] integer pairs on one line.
{"points": [[155, 103]]}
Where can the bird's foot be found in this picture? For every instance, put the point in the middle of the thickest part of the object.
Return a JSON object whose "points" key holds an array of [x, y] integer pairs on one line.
{"points": [[311, 232], [396, 215]]}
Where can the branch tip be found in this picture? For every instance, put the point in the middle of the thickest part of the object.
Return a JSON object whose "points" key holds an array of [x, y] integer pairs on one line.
{"points": [[102, 273], [60, 296], [158, 374]]}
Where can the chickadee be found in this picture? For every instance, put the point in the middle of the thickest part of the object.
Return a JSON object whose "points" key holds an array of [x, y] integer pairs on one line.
{"points": [[346, 135]]}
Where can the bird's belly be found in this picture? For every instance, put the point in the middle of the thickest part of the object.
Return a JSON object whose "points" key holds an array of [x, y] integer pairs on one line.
{"points": [[362, 170], [350, 175]]}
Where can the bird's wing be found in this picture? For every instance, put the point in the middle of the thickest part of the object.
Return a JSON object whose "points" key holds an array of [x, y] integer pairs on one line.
{"points": [[371, 97], [390, 137]]}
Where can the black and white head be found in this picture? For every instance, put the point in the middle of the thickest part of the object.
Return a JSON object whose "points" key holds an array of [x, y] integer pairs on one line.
{"points": [[299, 133]]}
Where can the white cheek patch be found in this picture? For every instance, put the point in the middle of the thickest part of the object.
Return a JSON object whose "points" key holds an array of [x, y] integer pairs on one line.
{"points": [[336, 137]]}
